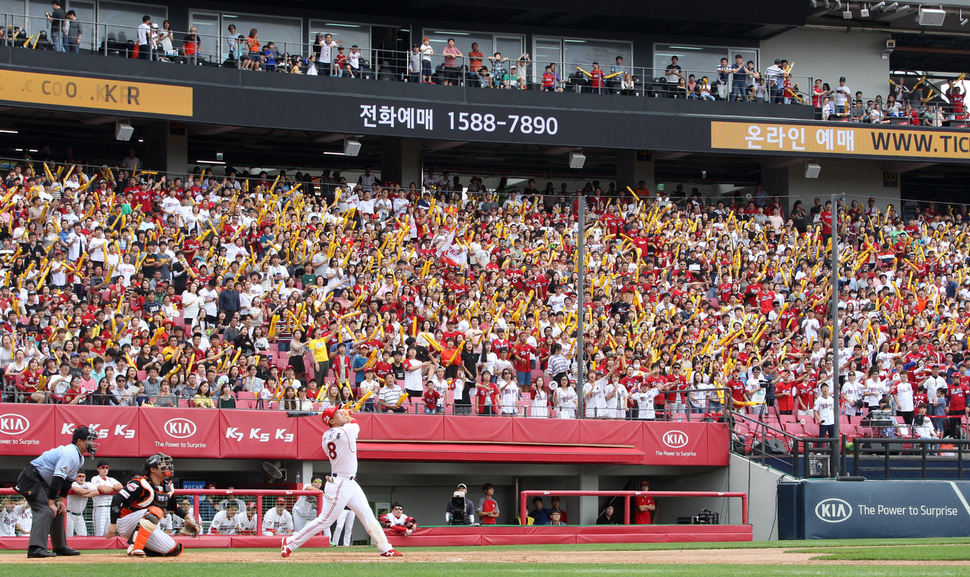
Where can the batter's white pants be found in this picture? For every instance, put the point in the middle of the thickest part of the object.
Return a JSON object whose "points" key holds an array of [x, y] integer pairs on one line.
{"points": [[337, 495], [75, 525], [345, 523], [159, 541], [102, 518]]}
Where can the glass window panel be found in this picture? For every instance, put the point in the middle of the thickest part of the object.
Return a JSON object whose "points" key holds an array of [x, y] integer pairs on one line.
{"points": [[120, 19], [345, 35], [697, 60], [547, 51], [463, 41], [286, 33], [85, 19], [584, 52], [214, 45], [13, 12], [747, 54]]}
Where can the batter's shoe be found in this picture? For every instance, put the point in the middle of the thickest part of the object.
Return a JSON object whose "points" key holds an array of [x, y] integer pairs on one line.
{"points": [[285, 548], [132, 552], [391, 553]]}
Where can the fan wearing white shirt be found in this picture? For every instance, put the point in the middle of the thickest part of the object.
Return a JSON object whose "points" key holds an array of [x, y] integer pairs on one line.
{"points": [[825, 413]]}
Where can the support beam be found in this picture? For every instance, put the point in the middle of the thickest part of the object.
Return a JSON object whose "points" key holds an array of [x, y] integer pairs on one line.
{"points": [[213, 130]]}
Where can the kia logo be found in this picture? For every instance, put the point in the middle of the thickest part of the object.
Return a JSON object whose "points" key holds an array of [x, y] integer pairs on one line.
{"points": [[180, 428], [833, 510], [13, 424], [675, 439]]}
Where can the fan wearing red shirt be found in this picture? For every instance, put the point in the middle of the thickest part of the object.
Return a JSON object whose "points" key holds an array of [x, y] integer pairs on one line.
{"points": [[806, 395], [596, 77], [522, 353], [826, 220], [957, 394], [736, 386], [784, 392], [643, 505], [487, 391]]}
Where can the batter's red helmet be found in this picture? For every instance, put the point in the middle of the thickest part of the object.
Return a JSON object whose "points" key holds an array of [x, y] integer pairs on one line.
{"points": [[328, 414]]}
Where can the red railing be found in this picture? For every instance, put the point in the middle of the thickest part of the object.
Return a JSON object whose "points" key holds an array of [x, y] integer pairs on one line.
{"points": [[524, 499], [258, 493]]}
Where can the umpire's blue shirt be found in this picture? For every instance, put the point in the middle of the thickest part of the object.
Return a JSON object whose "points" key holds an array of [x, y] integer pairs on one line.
{"points": [[64, 462]]}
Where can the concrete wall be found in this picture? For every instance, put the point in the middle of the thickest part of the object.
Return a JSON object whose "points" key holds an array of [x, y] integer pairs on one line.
{"points": [[829, 54], [856, 179], [760, 483]]}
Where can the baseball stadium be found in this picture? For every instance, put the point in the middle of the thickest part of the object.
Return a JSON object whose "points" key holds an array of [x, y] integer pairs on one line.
{"points": [[551, 289]]}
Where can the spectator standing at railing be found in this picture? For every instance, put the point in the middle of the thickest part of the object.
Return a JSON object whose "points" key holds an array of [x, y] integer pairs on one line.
{"points": [[451, 53], [842, 95], [672, 72], [164, 40], [73, 39], [143, 35], [724, 71], [191, 45], [426, 53], [57, 19], [774, 78]]}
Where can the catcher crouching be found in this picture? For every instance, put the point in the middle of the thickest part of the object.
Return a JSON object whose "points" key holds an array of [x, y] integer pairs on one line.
{"points": [[137, 509]]}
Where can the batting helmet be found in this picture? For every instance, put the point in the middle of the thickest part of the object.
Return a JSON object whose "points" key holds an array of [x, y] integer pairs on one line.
{"points": [[162, 462], [328, 414]]}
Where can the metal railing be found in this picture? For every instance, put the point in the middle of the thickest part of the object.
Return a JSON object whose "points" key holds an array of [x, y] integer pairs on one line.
{"points": [[377, 63], [627, 495], [14, 392], [806, 456], [893, 456]]}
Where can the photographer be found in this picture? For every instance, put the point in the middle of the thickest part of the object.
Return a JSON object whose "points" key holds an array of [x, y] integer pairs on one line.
{"points": [[454, 513]]}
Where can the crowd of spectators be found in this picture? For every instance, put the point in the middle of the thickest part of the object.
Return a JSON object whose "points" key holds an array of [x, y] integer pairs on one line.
{"points": [[727, 81], [127, 287]]}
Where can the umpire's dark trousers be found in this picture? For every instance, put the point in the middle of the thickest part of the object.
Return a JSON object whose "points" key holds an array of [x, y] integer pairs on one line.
{"points": [[44, 522]]}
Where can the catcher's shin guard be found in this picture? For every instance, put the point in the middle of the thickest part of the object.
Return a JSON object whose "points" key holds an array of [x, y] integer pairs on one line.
{"points": [[146, 525]]}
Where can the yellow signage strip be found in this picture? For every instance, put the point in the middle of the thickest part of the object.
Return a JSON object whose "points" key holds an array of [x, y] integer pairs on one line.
{"points": [[841, 138], [94, 93]]}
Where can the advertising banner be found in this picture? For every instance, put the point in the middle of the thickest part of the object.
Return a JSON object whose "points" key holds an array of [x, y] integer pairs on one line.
{"points": [[885, 509], [26, 429], [117, 427], [257, 435], [842, 139], [685, 443], [95, 93], [192, 433]]}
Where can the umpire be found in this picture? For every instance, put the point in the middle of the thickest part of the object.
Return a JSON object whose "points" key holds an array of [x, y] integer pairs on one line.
{"points": [[45, 484]]}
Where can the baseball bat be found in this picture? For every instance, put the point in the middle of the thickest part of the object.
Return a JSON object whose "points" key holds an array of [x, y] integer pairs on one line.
{"points": [[301, 413]]}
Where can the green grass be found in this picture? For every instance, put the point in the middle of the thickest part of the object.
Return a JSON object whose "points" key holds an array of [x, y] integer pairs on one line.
{"points": [[475, 570], [911, 553], [794, 546]]}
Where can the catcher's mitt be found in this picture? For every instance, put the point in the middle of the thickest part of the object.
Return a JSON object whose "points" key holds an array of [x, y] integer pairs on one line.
{"points": [[190, 528]]}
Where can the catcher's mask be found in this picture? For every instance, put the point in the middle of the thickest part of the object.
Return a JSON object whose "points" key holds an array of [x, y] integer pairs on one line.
{"points": [[162, 462]]}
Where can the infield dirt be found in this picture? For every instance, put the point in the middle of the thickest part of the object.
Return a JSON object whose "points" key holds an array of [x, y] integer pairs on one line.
{"points": [[483, 555]]}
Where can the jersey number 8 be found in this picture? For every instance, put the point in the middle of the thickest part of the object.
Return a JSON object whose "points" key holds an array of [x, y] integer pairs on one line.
{"points": [[332, 450]]}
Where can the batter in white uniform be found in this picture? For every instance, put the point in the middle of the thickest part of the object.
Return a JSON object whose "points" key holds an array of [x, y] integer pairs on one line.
{"points": [[342, 490]]}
